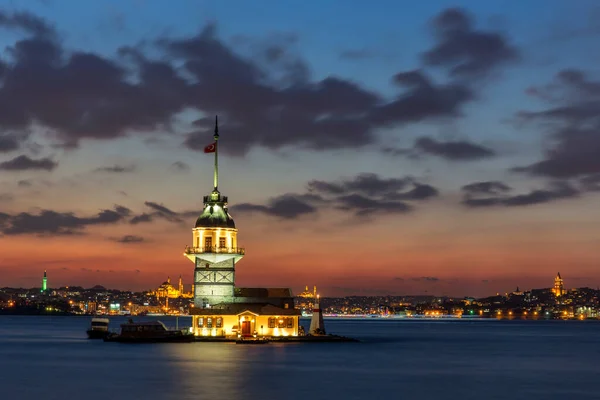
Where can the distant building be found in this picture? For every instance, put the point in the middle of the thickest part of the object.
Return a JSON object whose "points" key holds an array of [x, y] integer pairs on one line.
{"points": [[559, 288], [167, 290], [44, 282], [308, 294], [221, 308]]}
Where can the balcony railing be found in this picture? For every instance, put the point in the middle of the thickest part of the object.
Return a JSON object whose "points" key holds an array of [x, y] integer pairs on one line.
{"points": [[214, 249]]}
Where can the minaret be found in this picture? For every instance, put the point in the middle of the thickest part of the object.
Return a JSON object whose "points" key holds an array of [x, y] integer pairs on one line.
{"points": [[180, 286], [317, 325], [44, 282], [214, 250]]}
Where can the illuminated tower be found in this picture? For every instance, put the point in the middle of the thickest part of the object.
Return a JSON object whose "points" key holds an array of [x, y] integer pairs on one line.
{"points": [[44, 282], [559, 288], [180, 286], [214, 250]]}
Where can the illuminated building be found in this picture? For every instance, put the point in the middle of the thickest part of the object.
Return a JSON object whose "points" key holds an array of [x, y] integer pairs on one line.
{"points": [[308, 294], [44, 282], [559, 288], [220, 308], [167, 290]]}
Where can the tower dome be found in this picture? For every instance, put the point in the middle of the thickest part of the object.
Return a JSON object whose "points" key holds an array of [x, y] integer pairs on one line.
{"points": [[215, 214]]}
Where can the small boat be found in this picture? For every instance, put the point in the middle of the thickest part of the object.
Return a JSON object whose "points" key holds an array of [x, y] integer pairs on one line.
{"points": [[98, 328], [149, 332]]}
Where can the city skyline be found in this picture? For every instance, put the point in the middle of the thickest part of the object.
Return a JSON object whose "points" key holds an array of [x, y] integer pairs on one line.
{"points": [[446, 149]]}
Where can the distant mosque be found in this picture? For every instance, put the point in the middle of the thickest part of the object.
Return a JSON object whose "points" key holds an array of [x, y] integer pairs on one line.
{"points": [[220, 308], [167, 290]]}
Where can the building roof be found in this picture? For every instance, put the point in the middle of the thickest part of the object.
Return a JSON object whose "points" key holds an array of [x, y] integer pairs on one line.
{"points": [[239, 308], [263, 292]]}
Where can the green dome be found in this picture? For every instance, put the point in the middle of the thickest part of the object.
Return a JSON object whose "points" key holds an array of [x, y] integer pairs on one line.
{"points": [[215, 213]]}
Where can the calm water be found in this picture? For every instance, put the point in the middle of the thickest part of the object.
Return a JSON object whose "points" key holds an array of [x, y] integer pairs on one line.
{"points": [[50, 358]]}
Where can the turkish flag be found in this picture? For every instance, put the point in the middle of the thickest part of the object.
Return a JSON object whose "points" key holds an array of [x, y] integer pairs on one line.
{"points": [[211, 148]]}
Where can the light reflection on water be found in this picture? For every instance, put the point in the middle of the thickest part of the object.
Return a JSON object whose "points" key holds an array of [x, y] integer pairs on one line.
{"points": [[50, 358]]}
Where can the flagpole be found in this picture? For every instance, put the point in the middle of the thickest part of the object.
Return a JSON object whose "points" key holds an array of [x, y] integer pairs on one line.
{"points": [[216, 178]]}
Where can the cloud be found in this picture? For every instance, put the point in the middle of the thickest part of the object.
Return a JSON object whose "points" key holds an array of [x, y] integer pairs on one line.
{"points": [[267, 98], [591, 182], [421, 99], [426, 279], [487, 187], [26, 22], [54, 223], [361, 195], [287, 206], [467, 52], [129, 239], [23, 162], [180, 166], [572, 123], [116, 169], [459, 150], [487, 194], [6, 197], [453, 150], [9, 143], [24, 183], [161, 212]]}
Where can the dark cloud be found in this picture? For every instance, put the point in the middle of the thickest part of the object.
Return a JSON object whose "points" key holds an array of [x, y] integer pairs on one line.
{"points": [[486, 194], [9, 143], [51, 223], [363, 195], [129, 239], [488, 187], [23, 162], [267, 98], [453, 150], [287, 206], [466, 51], [426, 279], [6, 197], [421, 100], [459, 150], [573, 126], [26, 22], [141, 218], [117, 169], [180, 166], [158, 211]]}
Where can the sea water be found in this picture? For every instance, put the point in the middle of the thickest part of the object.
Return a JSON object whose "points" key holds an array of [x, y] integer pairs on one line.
{"points": [[51, 358]]}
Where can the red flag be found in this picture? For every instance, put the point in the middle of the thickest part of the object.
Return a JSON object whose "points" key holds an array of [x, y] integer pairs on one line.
{"points": [[211, 148]]}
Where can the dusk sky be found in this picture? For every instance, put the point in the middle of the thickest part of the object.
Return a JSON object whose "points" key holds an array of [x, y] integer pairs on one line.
{"points": [[367, 147]]}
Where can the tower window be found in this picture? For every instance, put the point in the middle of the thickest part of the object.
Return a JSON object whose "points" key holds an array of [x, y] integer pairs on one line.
{"points": [[207, 243], [209, 322], [200, 322], [219, 322], [222, 243]]}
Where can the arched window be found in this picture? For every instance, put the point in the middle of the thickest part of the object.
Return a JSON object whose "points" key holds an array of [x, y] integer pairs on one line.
{"points": [[200, 322], [219, 322]]}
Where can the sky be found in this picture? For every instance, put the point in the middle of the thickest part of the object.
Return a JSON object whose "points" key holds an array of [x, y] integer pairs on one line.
{"points": [[369, 148]]}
